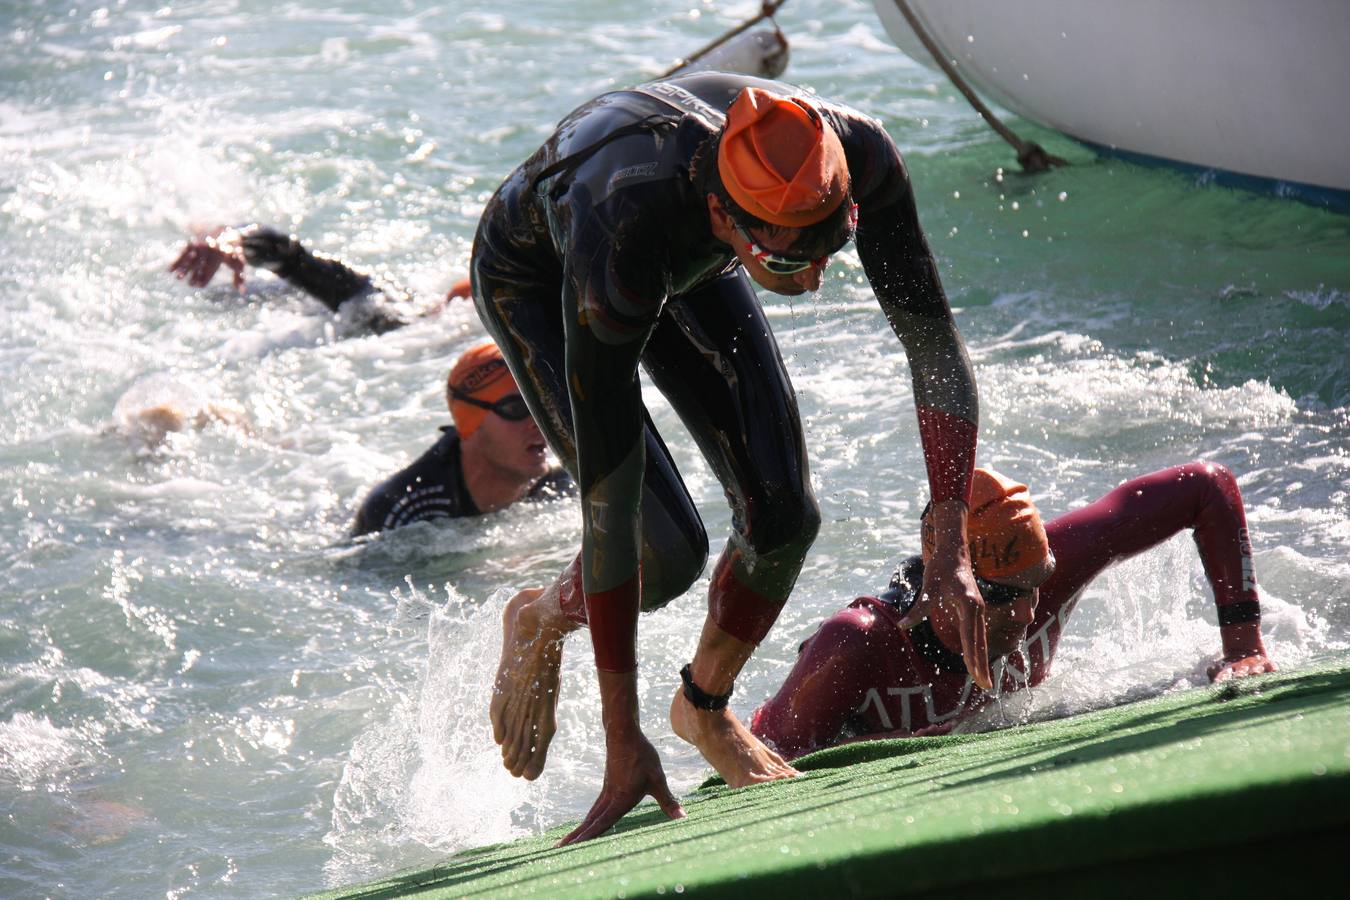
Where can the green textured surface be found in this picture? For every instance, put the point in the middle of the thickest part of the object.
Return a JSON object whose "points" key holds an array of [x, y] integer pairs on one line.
{"points": [[1241, 785]]}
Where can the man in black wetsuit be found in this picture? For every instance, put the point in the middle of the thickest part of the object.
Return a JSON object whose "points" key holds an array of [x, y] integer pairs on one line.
{"points": [[491, 457], [370, 302], [631, 237]]}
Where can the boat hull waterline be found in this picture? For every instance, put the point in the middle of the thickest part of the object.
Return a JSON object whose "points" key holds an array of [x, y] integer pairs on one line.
{"points": [[1249, 92]]}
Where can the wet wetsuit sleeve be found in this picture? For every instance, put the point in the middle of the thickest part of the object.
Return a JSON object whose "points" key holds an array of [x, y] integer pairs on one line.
{"points": [[1142, 513], [328, 280], [904, 276], [612, 294]]}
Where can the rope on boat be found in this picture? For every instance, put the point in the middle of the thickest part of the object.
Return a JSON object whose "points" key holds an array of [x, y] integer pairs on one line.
{"points": [[1030, 155], [766, 11]]}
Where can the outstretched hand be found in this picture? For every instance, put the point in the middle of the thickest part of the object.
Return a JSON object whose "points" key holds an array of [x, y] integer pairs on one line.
{"points": [[632, 771], [206, 253], [1257, 663]]}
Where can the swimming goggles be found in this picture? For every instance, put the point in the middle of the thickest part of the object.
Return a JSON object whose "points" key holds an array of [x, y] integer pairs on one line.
{"points": [[779, 264], [512, 407], [908, 581], [996, 594]]}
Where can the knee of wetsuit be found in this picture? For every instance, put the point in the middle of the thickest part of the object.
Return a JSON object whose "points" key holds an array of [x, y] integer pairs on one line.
{"points": [[784, 525], [669, 571]]}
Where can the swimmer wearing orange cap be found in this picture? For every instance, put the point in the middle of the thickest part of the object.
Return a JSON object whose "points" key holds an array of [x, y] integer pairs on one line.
{"points": [[491, 457], [633, 238], [860, 677]]}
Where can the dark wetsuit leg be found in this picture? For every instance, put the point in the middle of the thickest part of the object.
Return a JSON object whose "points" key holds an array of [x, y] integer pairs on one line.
{"points": [[526, 322], [714, 357]]}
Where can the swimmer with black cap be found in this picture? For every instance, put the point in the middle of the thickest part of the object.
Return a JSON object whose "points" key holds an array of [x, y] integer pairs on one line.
{"points": [[632, 239], [493, 456], [862, 677]]}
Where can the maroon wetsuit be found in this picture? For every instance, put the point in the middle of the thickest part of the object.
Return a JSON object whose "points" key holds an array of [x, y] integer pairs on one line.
{"points": [[860, 671]]}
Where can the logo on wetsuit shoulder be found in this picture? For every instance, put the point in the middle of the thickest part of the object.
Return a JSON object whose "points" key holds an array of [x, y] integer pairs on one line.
{"points": [[481, 376], [642, 170], [1245, 552]]}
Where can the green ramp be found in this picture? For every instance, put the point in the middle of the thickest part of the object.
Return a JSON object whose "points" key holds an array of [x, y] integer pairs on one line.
{"points": [[1244, 785]]}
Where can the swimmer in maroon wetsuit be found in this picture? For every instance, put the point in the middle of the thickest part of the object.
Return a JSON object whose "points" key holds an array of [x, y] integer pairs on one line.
{"points": [[493, 456], [860, 677], [373, 303], [631, 238]]}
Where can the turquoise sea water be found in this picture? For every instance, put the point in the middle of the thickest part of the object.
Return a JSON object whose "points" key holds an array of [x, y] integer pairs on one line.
{"points": [[206, 690]]}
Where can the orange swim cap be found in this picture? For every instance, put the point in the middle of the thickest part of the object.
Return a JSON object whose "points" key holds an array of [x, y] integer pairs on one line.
{"points": [[461, 288], [481, 373], [1005, 530], [780, 161]]}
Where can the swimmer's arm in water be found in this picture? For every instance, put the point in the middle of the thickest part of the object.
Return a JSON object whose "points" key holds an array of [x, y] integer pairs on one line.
{"points": [[227, 414], [326, 279], [1139, 514], [205, 254]]}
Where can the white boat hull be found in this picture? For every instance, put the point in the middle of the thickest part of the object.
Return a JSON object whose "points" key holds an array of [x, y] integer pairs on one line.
{"points": [[762, 52], [1259, 88]]}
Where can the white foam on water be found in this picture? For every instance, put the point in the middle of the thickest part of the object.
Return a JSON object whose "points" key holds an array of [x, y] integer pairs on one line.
{"points": [[428, 774], [34, 753], [1322, 298]]}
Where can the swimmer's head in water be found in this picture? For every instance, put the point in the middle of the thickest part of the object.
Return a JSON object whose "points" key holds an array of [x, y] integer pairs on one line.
{"points": [[1009, 553], [780, 161], [1005, 531], [478, 379]]}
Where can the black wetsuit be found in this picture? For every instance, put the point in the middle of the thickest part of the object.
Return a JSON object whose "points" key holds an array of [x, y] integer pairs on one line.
{"points": [[582, 271], [383, 306], [433, 487]]}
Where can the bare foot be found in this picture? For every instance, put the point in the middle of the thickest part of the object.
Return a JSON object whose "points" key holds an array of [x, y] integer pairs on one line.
{"points": [[525, 694], [728, 746]]}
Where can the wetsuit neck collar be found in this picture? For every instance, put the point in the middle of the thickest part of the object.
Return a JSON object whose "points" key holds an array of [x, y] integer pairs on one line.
{"points": [[931, 648], [904, 590]]}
